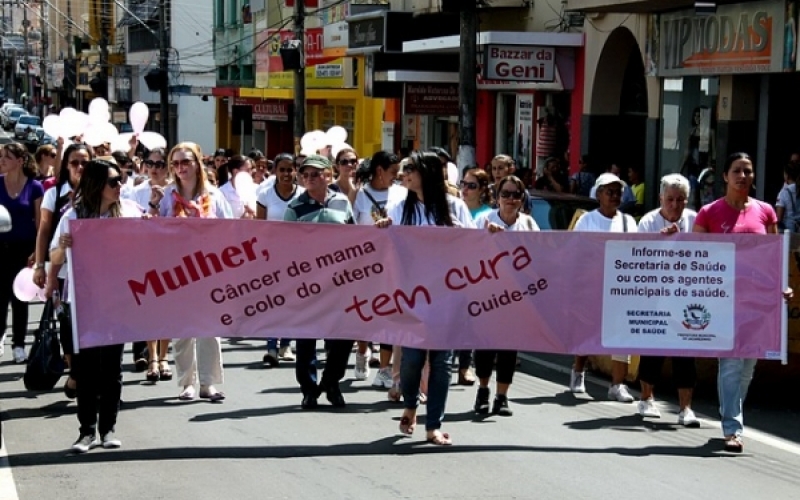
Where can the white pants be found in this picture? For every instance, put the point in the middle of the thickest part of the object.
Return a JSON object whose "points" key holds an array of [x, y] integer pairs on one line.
{"points": [[198, 358]]}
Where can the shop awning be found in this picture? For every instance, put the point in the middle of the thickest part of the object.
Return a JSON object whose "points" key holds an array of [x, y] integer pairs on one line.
{"points": [[403, 76], [452, 43], [635, 6], [144, 10]]}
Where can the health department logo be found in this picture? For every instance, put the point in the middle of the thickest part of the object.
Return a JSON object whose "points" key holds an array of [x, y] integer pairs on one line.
{"points": [[696, 317]]}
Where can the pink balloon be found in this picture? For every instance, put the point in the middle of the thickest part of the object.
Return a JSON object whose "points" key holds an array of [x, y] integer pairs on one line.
{"points": [[138, 116], [24, 287]]}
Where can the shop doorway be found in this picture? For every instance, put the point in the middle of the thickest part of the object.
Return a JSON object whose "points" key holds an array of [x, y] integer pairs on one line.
{"points": [[617, 124]]}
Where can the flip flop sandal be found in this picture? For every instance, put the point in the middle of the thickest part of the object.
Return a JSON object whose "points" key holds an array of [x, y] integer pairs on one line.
{"points": [[165, 373], [440, 439], [213, 397], [187, 394], [734, 444], [153, 375], [407, 426]]}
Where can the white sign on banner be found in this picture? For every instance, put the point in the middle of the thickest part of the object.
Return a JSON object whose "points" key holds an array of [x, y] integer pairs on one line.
{"points": [[524, 127], [665, 294], [520, 63], [387, 136]]}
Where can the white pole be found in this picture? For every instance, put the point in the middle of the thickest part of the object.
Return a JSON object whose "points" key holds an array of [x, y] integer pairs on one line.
{"points": [[785, 309]]}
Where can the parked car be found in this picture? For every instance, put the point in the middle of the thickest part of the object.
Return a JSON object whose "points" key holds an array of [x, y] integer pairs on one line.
{"points": [[10, 118], [555, 211], [7, 106], [24, 124]]}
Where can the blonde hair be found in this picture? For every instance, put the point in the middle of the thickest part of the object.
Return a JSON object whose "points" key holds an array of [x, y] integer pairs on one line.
{"points": [[202, 178]]}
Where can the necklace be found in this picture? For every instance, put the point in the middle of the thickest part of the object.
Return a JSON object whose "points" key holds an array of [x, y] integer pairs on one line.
{"points": [[13, 193]]}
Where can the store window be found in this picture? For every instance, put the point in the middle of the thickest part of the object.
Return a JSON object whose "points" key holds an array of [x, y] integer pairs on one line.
{"points": [[688, 131]]}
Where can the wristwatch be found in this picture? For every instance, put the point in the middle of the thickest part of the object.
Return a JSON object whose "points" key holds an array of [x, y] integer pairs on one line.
{"points": [[153, 205], [38, 265]]}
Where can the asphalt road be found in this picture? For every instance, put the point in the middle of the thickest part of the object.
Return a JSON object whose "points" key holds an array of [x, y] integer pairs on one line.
{"points": [[259, 444]]}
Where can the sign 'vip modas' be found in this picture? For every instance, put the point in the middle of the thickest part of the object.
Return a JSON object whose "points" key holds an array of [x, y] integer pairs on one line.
{"points": [[738, 38], [520, 63]]}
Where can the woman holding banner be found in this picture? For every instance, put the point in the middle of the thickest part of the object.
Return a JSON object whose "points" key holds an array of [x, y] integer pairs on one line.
{"points": [[509, 217], [606, 218], [97, 370], [670, 218], [736, 212], [377, 188], [190, 195], [426, 204]]}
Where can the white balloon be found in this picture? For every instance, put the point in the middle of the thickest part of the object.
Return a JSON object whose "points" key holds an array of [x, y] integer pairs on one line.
{"points": [[153, 140], [335, 135], [245, 188], [121, 142], [138, 115], [98, 106], [109, 133], [75, 123], [67, 112], [99, 117], [52, 126], [311, 140], [336, 148], [93, 135]]}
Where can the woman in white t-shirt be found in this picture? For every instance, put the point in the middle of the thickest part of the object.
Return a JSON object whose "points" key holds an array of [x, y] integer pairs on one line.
{"points": [[508, 217], [377, 180], [271, 204], [239, 207], [426, 204], [97, 370], [156, 164], [190, 195], [606, 218]]}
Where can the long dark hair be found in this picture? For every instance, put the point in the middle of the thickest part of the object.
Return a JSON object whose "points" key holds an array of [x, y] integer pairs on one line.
{"points": [[63, 173], [369, 167], [734, 158], [434, 191], [20, 151], [89, 194]]}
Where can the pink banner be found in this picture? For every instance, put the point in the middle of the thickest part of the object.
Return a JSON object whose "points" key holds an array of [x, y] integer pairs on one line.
{"points": [[557, 292]]}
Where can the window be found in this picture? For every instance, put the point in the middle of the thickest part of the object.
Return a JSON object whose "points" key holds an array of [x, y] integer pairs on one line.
{"points": [[233, 12], [219, 13], [140, 39]]}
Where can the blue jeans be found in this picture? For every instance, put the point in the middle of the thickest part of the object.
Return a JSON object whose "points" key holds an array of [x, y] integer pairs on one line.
{"points": [[438, 382], [733, 380], [272, 344]]}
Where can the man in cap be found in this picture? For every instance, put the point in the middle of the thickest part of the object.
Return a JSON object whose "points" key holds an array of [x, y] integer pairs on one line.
{"points": [[321, 205]]}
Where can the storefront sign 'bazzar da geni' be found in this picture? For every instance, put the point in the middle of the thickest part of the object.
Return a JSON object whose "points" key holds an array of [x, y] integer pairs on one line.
{"points": [[738, 38]]}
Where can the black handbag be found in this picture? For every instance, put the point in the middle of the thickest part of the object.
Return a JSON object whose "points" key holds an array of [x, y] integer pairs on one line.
{"points": [[45, 366]]}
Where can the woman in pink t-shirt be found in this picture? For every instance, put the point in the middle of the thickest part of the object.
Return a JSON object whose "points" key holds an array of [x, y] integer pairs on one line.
{"points": [[736, 212]]}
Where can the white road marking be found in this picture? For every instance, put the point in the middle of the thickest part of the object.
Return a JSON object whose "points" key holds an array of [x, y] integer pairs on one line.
{"points": [[707, 421], [8, 490]]}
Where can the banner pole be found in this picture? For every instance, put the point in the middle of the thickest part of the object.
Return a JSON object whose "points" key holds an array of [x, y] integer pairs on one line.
{"points": [[785, 308], [72, 306]]}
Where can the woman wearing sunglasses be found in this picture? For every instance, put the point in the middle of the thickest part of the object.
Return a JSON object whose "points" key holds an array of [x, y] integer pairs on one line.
{"points": [[190, 195], [271, 204], [97, 370], [55, 203], [426, 204], [508, 217], [46, 164], [346, 163], [476, 193]]}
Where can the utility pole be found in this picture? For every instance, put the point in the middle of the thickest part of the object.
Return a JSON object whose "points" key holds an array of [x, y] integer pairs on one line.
{"points": [[104, 30], [163, 63], [300, 75], [27, 86], [467, 86], [42, 64]]}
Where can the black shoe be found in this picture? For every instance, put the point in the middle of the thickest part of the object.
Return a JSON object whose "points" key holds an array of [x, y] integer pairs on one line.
{"points": [[482, 401], [500, 406], [270, 359], [309, 402], [70, 393], [140, 365], [334, 395]]}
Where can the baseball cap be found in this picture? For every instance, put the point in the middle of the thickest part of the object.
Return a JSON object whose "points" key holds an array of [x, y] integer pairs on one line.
{"points": [[606, 179], [316, 161]]}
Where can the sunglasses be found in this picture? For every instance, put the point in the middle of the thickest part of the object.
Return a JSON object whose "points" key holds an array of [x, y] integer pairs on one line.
{"points": [[408, 169], [113, 182], [613, 192], [348, 162], [182, 163], [77, 163], [311, 175], [469, 185], [517, 195], [156, 164]]}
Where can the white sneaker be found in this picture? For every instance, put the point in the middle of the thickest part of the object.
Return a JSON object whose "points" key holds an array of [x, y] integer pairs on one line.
{"points": [[110, 441], [361, 370], [577, 382], [85, 443], [687, 418], [19, 355], [647, 408], [286, 354], [620, 393], [383, 378]]}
